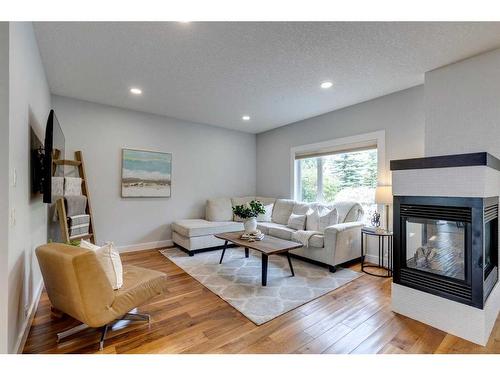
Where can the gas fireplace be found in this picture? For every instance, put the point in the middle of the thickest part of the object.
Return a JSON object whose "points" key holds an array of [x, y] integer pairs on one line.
{"points": [[447, 246]]}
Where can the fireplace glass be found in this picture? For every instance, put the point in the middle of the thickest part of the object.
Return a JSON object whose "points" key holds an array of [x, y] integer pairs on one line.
{"points": [[436, 246], [490, 246]]}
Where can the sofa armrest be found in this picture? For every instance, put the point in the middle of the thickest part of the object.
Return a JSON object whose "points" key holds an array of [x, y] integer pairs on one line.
{"points": [[344, 226], [344, 241]]}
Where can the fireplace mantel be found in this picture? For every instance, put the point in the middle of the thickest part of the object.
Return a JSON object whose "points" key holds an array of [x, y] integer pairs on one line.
{"points": [[448, 161]]}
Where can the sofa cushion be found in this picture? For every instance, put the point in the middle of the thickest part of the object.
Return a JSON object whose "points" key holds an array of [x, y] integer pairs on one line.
{"points": [[283, 232], [265, 226], [282, 210], [200, 227], [219, 209], [265, 200], [268, 215], [302, 208], [238, 201], [139, 285], [196, 243], [318, 240], [348, 211]]}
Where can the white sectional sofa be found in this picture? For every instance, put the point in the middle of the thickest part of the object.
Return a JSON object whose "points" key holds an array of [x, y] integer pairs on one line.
{"points": [[339, 243]]}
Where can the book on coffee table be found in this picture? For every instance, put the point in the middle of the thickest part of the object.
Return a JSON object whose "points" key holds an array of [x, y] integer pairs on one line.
{"points": [[256, 236]]}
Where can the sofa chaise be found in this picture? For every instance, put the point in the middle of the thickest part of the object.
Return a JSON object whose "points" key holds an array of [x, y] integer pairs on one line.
{"points": [[338, 244]]}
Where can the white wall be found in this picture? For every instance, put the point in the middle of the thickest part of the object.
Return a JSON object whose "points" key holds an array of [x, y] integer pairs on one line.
{"points": [[207, 162], [29, 105], [4, 182], [462, 106], [400, 114]]}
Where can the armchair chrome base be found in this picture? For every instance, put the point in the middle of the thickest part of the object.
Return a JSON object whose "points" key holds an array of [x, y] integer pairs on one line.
{"points": [[139, 317], [71, 331], [104, 329]]}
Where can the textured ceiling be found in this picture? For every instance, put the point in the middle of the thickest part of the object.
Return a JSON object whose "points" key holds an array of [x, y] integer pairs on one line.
{"points": [[214, 73]]}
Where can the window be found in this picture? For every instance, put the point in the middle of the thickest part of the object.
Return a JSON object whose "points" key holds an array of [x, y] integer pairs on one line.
{"points": [[338, 176]]}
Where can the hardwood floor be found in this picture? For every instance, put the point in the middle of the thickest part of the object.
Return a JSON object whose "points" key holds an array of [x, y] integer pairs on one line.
{"points": [[355, 318]]}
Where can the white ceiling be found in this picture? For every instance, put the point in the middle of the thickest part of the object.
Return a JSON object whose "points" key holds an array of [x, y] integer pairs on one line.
{"points": [[214, 73]]}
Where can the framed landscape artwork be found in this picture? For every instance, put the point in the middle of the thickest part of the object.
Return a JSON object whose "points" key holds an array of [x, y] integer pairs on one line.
{"points": [[146, 173]]}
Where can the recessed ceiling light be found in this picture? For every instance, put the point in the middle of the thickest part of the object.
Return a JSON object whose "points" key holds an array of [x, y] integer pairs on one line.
{"points": [[245, 118], [326, 85], [136, 91]]}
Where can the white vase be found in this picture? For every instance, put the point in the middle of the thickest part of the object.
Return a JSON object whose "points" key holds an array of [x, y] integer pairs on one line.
{"points": [[250, 225]]}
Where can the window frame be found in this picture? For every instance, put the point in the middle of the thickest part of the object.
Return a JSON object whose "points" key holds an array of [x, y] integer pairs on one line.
{"points": [[337, 145]]}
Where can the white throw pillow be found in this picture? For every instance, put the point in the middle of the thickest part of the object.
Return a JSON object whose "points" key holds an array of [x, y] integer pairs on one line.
{"points": [[319, 220], [297, 222], [109, 258], [267, 216], [312, 220], [327, 218]]}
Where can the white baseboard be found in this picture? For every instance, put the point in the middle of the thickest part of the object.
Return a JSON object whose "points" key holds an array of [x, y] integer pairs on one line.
{"points": [[23, 336], [145, 246]]}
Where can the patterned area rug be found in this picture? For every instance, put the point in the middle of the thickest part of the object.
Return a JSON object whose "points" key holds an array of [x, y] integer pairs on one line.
{"points": [[238, 280]]}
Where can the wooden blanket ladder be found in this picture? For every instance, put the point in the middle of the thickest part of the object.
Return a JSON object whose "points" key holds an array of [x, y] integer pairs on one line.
{"points": [[60, 206]]}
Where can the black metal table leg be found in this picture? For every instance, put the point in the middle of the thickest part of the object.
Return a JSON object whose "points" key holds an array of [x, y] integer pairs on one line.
{"points": [[264, 269], [389, 262], [223, 252], [362, 255], [379, 252], [383, 264], [290, 263], [246, 252]]}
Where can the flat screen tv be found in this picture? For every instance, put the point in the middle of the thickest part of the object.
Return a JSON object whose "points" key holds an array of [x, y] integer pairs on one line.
{"points": [[44, 166]]}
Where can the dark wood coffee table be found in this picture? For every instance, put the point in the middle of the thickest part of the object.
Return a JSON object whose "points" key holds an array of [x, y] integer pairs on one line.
{"points": [[267, 246]]}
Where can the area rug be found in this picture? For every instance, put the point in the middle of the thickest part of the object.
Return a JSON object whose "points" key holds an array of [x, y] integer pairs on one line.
{"points": [[238, 280]]}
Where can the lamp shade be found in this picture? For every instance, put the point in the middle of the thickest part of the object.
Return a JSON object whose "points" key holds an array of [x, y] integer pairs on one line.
{"points": [[383, 194]]}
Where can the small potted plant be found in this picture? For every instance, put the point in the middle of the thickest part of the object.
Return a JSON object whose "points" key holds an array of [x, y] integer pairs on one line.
{"points": [[249, 213]]}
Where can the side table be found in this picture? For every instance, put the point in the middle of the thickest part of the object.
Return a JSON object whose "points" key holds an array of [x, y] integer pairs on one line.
{"points": [[382, 236]]}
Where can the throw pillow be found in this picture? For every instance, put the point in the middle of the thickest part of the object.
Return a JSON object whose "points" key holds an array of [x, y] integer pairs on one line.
{"points": [[267, 216], [297, 222], [318, 220], [312, 220], [327, 218], [109, 258]]}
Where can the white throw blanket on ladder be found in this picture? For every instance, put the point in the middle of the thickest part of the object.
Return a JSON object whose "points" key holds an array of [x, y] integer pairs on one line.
{"points": [[303, 236]]}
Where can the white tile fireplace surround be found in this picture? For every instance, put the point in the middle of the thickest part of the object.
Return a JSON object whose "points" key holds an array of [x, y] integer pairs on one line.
{"points": [[469, 176]]}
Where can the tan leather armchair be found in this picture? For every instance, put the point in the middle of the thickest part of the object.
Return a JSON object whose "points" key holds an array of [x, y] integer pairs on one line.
{"points": [[77, 286]]}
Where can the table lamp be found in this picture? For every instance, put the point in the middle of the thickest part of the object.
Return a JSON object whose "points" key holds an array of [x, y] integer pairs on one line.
{"points": [[383, 195]]}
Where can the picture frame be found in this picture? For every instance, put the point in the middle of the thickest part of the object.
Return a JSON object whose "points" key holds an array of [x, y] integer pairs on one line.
{"points": [[146, 174]]}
